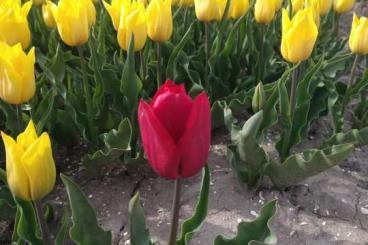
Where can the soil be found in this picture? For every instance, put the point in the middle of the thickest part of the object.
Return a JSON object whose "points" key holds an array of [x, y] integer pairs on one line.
{"points": [[330, 208]]}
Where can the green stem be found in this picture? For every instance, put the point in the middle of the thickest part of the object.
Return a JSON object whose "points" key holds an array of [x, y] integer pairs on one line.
{"points": [[350, 83], [175, 213], [42, 222], [159, 61], [88, 96], [207, 50], [239, 46], [294, 81], [260, 69], [185, 19], [337, 24], [143, 66], [19, 116]]}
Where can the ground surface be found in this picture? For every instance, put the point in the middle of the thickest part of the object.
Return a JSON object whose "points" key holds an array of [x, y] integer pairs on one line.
{"points": [[331, 208]]}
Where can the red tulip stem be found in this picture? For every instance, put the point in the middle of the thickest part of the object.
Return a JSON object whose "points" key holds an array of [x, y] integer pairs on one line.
{"points": [[143, 66], [207, 50], [175, 213], [42, 222], [159, 63]]}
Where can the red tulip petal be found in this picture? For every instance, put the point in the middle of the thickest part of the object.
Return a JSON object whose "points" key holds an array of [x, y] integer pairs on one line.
{"points": [[158, 145], [169, 86], [195, 143], [172, 109]]}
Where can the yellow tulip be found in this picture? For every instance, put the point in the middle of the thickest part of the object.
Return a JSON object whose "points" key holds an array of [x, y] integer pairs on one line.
{"points": [[358, 40], [238, 8], [209, 10], [71, 17], [14, 24], [316, 8], [299, 35], [133, 20], [30, 167], [17, 77], [47, 15], [279, 4], [38, 2], [91, 12], [145, 2], [159, 19], [297, 5], [114, 10], [264, 11], [325, 6], [343, 6]]}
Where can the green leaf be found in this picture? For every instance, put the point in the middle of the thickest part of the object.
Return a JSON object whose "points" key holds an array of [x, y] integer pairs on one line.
{"points": [[27, 226], [11, 117], [355, 136], [256, 231], [117, 142], [85, 228], [57, 66], [63, 230], [193, 224], [44, 110], [173, 59], [130, 83], [139, 233], [300, 166]]}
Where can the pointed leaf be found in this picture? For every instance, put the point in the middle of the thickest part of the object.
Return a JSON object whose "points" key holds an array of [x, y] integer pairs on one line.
{"points": [[139, 234]]}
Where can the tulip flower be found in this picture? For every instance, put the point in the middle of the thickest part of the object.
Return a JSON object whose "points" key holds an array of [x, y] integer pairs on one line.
{"points": [[299, 35], [209, 10], [358, 40], [325, 6], [91, 12], [114, 10], [297, 5], [264, 10], [14, 24], [47, 15], [279, 4], [159, 20], [238, 8], [176, 131], [316, 8], [16, 74], [73, 19], [133, 20], [343, 6], [30, 167]]}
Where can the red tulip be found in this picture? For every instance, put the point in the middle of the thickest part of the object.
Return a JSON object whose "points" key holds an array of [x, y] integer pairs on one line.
{"points": [[176, 131]]}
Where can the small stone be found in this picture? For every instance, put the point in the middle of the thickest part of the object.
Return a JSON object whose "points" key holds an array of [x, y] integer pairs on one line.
{"points": [[254, 213], [324, 223], [239, 220], [303, 223], [292, 233], [90, 196], [364, 210]]}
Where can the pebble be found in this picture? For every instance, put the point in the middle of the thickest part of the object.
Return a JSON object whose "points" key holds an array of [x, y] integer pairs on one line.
{"points": [[254, 213], [90, 196], [364, 210]]}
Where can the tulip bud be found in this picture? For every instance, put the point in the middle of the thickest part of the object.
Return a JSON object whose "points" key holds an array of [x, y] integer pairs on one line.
{"points": [[14, 24], [133, 20], [114, 10], [358, 40], [325, 6], [343, 6], [47, 15], [259, 98], [159, 19], [209, 10], [16, 74], [298, 35], [316, 8], [91, 12], [238, 8], [38, 2], [176, 144], [73, 19], [297, 5], [30, 167], [264, 11]]}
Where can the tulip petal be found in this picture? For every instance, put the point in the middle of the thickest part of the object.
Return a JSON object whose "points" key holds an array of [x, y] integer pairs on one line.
{"points": [[40, 167], [16, 175], [172, 106], [28, 137], [195, 143], [158, 145]]}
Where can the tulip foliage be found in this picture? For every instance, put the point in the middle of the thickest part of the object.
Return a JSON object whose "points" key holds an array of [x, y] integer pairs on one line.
{"points": [[93, 73]]}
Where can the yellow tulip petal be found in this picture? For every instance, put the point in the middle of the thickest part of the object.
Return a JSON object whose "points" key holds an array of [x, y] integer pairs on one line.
{"points": [[28, 137]]}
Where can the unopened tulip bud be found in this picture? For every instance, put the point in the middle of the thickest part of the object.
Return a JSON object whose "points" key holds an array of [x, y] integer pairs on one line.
{"points": [[259, 98], [159, 19], [264, 11], [358, 40], [343, 6]]}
